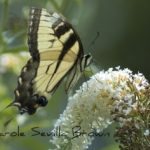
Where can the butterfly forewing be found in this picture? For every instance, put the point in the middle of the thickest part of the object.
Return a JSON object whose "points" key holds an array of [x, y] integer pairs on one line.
{"points": [[58, 48]]}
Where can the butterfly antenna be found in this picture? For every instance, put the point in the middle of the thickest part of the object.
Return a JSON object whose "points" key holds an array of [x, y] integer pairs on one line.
{"points": [[9, 105], [8, 121], [94, 40]]}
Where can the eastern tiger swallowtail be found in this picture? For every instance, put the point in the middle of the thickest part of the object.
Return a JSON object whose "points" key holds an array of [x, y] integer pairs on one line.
{"points": [[56, 52]]}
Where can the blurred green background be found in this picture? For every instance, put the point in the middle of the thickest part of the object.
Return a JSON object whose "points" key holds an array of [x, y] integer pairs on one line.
{"points": [[124, 34]]}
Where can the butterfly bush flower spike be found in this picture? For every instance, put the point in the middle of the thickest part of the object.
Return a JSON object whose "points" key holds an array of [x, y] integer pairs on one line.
{"points": [[98, 103]]}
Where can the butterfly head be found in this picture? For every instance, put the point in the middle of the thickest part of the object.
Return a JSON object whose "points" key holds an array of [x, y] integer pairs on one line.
{"points": [[30, 105], [28, 102]]}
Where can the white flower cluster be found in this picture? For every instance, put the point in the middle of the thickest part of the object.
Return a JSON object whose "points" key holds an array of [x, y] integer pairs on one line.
{"points": [[89, 110]]}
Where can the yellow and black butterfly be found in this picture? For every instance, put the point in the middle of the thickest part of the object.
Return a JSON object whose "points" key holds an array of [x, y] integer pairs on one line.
{"points": [[56, 52]]}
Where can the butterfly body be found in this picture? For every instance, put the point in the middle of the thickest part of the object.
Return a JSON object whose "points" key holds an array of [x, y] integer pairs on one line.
{"points": [[25, 98], [56, 52]]}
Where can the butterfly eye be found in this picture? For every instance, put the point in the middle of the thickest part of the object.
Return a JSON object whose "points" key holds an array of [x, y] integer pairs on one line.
{"points": [[42, 101]]}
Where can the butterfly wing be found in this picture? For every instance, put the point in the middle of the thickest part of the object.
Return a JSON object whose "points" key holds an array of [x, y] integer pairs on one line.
{"points": [[55, 45]]}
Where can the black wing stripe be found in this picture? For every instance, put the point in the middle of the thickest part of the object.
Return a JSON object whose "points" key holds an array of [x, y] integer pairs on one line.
{"points": [[69, 43], [62, 29], [32, 33]]}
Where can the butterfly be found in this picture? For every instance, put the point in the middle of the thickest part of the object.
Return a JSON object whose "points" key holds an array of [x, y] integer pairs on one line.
{"points": [[56, 52]]}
